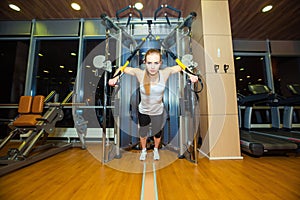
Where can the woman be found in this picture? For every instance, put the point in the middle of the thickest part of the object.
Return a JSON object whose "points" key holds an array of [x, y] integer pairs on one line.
{"points": [[151, 109]]}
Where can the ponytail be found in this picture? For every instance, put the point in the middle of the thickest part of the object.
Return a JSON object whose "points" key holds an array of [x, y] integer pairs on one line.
{"points": [[146, 77]]}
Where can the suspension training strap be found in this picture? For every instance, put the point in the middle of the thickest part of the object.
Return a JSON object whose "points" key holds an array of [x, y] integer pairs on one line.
{"points": [[121, 69]]}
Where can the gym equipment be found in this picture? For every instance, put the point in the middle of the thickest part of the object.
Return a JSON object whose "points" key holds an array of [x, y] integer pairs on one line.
{"points": [[258, 142], [276, 101], [156, 12], [131, 39], [290, 105], [35, 126], [131, 8]]}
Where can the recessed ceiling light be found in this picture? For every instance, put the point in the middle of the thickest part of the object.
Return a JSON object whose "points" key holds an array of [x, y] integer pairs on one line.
{"points": [[138, 6], [14, 7], [75, 6], [267, 8]]}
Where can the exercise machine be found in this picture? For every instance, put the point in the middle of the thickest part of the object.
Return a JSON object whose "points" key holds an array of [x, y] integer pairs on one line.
{"points": [[128, 40], [34, 125], [291, 104], [256, 141]]}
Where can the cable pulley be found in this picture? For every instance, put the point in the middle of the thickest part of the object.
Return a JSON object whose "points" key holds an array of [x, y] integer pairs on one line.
{"points": [[100, 62]]}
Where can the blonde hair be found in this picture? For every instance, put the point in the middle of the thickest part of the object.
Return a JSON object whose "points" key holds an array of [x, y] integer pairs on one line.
{"points": [[146, 77]]}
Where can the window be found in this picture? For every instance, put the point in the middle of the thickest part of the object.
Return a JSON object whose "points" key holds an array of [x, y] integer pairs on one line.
{"points": [[55, 67], [249, 70], [286, 71], [13, 67]]}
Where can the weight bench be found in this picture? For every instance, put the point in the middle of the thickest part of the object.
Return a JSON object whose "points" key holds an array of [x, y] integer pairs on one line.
{"points": [[36, 126]]}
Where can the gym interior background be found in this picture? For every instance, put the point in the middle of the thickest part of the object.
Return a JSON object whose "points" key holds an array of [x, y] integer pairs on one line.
{"points": [[41, 54]]}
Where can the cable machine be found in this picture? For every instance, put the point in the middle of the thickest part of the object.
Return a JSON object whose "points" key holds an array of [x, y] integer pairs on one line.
{"points": [[130, 40]]}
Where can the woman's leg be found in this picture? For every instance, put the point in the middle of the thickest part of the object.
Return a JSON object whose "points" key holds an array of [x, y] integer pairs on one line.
{"points": [[143, 141], [156, 142], [144, 121], [158, 123], [157, 139], [143, 132]]}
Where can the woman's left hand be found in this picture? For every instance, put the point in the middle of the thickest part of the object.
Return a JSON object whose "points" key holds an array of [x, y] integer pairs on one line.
{"points": [[193, 78]]}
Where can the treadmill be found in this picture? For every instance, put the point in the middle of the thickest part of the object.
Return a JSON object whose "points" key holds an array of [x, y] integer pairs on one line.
{"points": [[258, 143], [285, 133], [289, 108]]}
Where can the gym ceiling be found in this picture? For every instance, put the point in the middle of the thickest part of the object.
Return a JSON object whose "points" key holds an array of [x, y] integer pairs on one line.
{"points": [[247, 20]]}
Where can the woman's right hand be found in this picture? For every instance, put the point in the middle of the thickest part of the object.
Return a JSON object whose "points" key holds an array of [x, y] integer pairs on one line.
{"points": [[113, 81]]}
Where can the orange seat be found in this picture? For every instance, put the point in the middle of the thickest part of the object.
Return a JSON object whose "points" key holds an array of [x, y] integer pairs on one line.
{"points": [[29, 111], [25, 104]]}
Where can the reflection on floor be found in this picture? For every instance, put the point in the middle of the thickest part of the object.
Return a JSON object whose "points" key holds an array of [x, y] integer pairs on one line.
{"points": [[129, 160]]}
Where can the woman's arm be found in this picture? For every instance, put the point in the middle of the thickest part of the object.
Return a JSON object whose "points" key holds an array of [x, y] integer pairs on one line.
{"points": [[176, 69], [170, 70], [128, 70], [173, 70]]}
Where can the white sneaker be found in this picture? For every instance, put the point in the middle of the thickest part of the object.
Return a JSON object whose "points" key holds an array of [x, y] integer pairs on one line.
{"points": [[155, 154], [143, 155]]}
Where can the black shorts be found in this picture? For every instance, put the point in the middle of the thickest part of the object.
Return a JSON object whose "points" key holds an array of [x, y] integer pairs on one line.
{"points": [[151, 125]]}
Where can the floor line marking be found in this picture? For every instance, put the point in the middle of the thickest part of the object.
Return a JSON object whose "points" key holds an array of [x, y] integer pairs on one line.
{"points": [[155, 183], [143, 182]]}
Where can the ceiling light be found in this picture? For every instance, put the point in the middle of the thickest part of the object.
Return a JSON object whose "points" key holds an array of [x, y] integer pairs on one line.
{"points": [[14, 7], [138, 6], [267, 8], [75, 6]]}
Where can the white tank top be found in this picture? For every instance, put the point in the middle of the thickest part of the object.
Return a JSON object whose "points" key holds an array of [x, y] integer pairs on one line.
{"points": [[152, 104]]}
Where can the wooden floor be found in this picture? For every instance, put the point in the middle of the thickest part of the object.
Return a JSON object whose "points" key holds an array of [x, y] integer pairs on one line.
{"points": [[76, 174]]}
